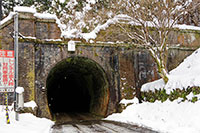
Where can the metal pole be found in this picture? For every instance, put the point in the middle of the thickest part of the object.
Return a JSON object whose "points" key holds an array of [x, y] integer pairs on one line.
{"points": [[16, 63]]}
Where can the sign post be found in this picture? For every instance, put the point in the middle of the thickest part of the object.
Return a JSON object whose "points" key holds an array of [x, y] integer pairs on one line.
{"points": [[16, 63]]}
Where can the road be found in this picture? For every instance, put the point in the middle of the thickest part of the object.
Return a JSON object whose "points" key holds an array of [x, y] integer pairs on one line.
{"points": [[67, 124], [98, 126]]}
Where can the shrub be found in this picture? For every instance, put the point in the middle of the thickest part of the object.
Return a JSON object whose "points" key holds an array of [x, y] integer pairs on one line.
{"points": [[161, 95]]}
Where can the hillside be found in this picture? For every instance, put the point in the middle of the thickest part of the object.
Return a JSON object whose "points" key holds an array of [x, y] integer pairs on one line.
{"points": [[171, 117], [187, 74]]}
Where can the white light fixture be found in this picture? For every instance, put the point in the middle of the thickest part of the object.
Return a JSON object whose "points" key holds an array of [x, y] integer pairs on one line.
{"points": [[71, 46]]}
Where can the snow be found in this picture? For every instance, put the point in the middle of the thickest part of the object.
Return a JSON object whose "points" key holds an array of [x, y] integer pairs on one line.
{"points": [[27, 123], [24, 9], [45, 16], [26, 37], [37, 15], [191, 95], [132, 101], [31, 104], [171, 117], [91, 1], [93, 34], [58, 40], [69, 32], [19, 90], [62, 1], [74, 33], [187, 27], [151, 86], [9, 17], [187, 74]]}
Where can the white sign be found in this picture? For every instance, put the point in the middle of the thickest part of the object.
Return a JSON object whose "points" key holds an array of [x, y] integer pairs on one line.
{"points": [[7, 70], [71, 46]]}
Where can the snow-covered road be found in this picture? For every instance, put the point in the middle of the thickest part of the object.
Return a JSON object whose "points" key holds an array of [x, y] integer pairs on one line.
{"points": [[88, 123], [98, 126]]}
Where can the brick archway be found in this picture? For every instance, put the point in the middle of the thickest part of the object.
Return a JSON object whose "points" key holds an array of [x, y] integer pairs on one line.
{"points": [[78, 85]]}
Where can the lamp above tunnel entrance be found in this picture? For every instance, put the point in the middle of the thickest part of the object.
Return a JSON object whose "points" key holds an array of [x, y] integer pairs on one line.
{"points": [[77, 85]]}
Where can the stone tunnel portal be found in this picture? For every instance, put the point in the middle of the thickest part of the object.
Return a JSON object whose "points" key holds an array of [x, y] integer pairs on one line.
{"points": [[77, 85]]}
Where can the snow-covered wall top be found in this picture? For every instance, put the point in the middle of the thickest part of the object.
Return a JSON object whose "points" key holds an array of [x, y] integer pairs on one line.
{"points": [[31, 25], [107, 28], [21, 9], [24, 9]]}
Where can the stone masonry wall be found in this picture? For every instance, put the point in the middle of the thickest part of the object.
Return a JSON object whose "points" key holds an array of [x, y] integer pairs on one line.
{"points": [[29, 26], [127, 67], [179, 38]]}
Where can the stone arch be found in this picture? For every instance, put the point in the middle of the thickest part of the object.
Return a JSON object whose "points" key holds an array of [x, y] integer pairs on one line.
{"points": [[77, 84]]}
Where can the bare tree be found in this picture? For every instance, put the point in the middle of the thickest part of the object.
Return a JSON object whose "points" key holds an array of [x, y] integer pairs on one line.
{"points": [[192, 17], [153, 20]]}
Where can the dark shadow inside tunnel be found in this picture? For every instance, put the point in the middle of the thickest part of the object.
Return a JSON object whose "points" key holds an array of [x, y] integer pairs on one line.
{"points": [[77, 85]]}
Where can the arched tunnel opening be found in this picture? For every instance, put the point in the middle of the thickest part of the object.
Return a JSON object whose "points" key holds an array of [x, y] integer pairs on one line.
{"points": [[77, 85]]}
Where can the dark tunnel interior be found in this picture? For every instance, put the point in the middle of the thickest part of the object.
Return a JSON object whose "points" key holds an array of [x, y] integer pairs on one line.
{"points": [[77, 85]]}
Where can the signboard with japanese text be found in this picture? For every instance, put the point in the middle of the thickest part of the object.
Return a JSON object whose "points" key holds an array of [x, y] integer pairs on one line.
{"points": [[7, 70]]}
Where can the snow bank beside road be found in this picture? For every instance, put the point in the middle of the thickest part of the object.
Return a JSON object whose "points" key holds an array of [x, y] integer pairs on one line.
{"points": [[172, 117], [27, 123]]}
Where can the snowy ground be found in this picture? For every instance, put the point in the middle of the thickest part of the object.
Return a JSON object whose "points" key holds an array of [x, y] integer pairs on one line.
{"points": [[172, 117], [27, 123]]}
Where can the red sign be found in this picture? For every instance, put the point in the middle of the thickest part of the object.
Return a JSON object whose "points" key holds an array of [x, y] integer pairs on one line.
{"points": [[7, 70]]}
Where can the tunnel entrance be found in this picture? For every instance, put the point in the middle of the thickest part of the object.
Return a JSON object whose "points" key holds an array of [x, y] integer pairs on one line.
{"points": [[77, 85]]}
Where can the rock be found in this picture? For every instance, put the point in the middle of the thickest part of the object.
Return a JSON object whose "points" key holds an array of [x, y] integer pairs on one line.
{"points": [[29, 110]]}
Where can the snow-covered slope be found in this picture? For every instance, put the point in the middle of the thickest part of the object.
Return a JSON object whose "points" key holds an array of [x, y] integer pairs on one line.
{"points": [[185, 75], [170, 117]]}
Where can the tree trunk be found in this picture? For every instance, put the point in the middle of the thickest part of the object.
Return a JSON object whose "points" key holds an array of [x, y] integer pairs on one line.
{"points": [[160, 59], [162, 72]]}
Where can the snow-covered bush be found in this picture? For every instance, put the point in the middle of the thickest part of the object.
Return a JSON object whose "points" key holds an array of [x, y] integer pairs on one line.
{"points": [[190, 94]]}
